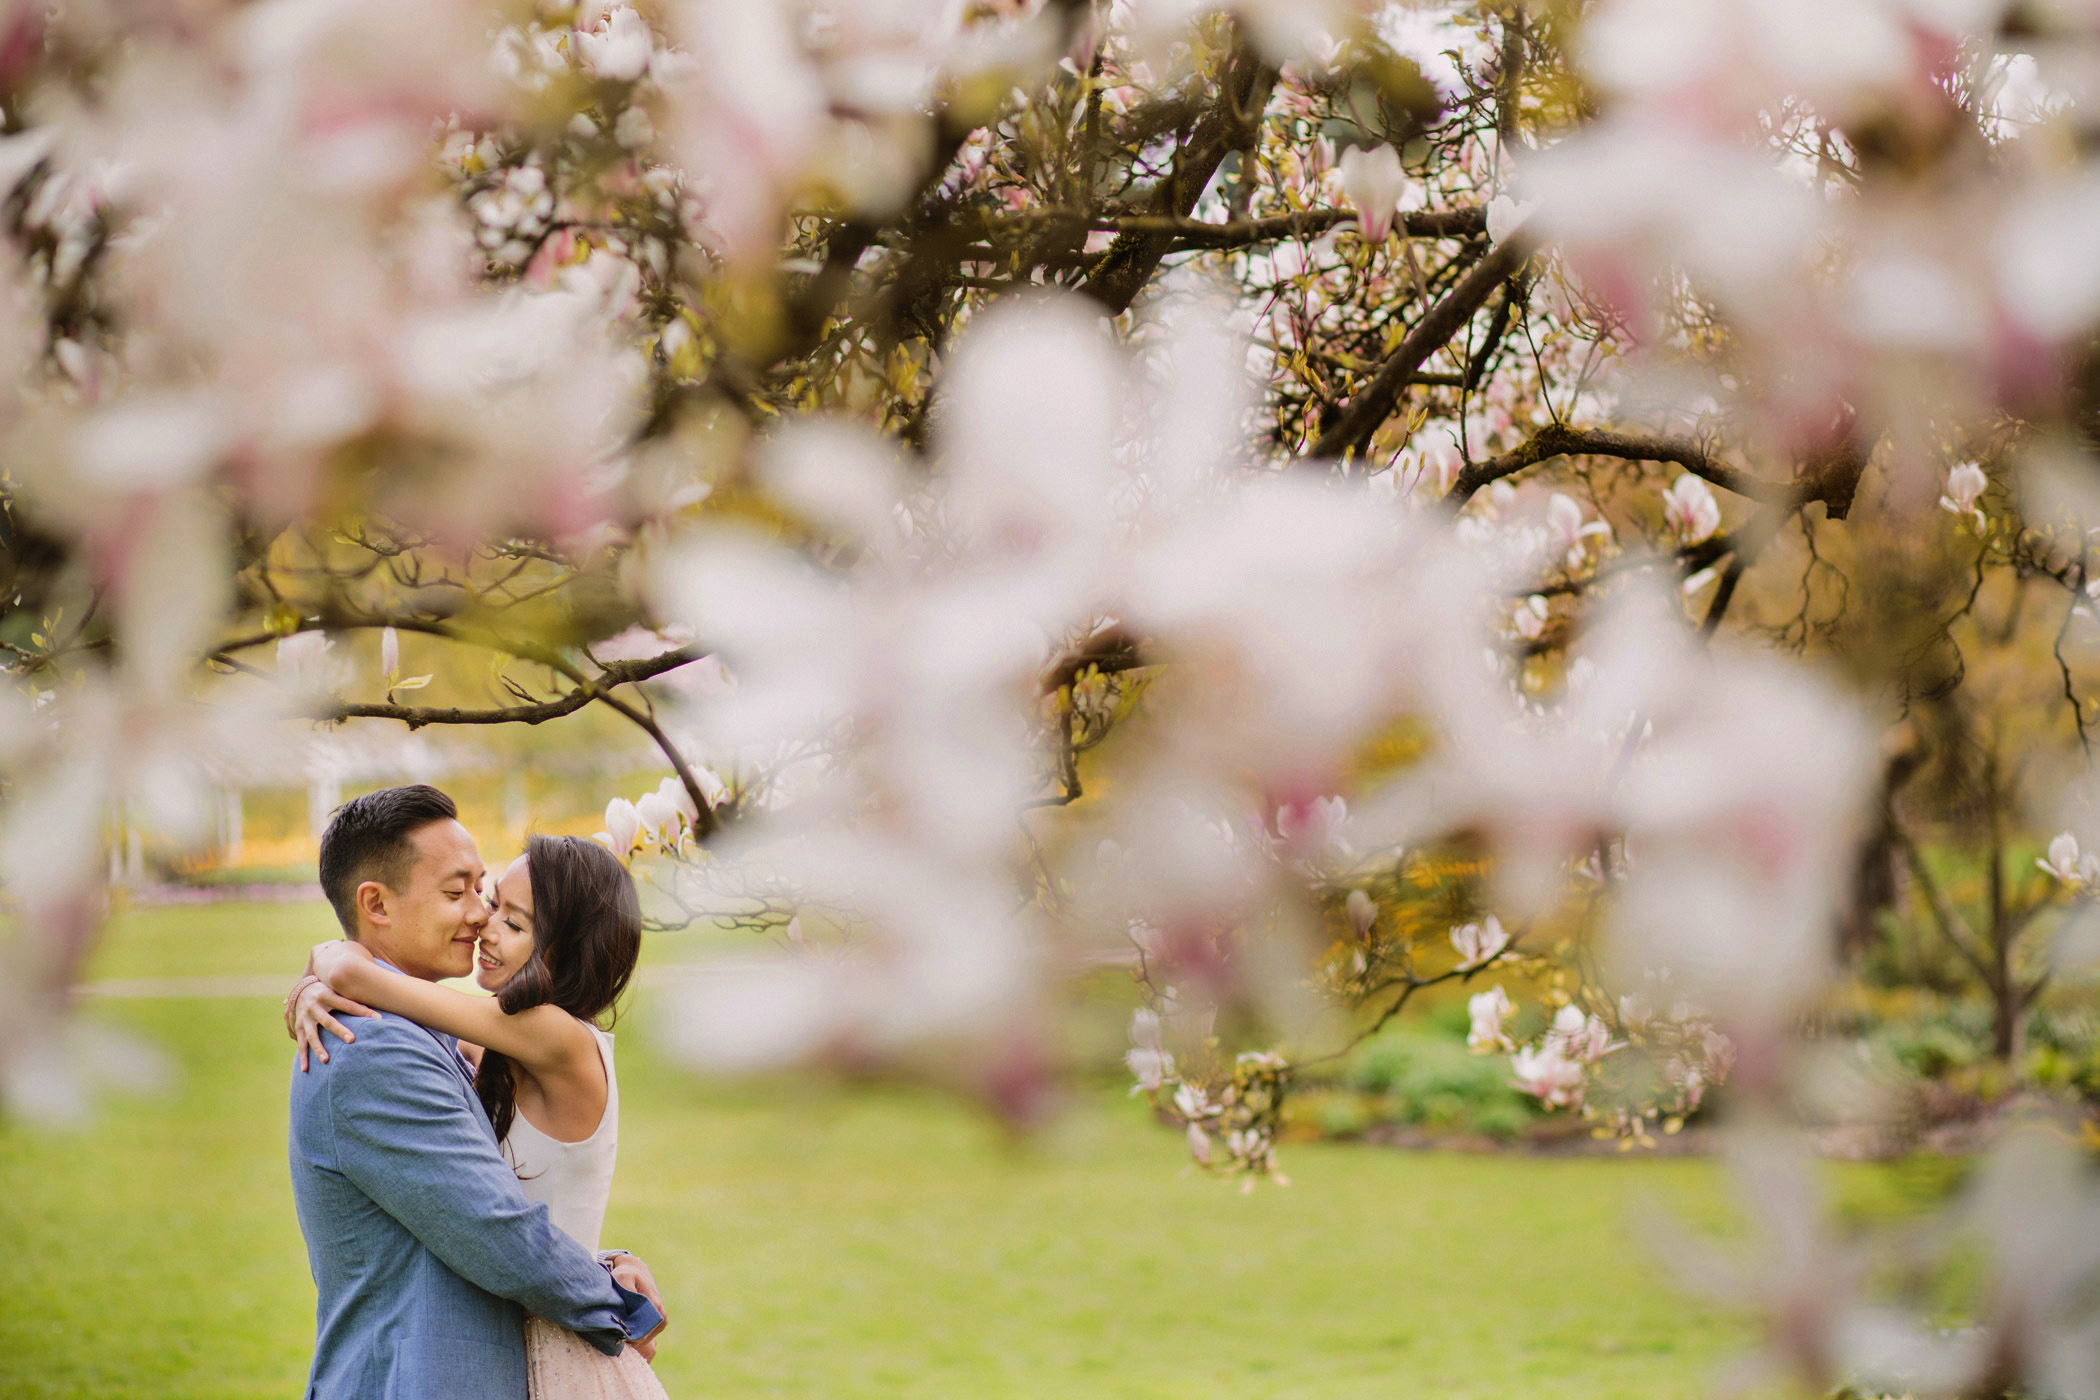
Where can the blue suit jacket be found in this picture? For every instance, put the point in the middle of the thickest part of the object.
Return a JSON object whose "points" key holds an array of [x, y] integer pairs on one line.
{"points": [[426, 1254]]}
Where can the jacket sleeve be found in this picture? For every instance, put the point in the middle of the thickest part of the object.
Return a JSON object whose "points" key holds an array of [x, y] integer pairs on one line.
{"points": [[405, 1135]]}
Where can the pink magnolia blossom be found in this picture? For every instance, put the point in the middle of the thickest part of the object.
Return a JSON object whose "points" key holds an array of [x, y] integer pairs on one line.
{"points": [[1689, 509], [748, 112], [1547, 1073], [1313, 826], [1580, 1036], [1568, 531], [1488, 1011], [1373, 183]]}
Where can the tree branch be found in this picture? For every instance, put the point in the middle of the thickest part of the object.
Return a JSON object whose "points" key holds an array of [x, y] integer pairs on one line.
{"points": [[2063, 664], [417, 716], [1232, 123], [705, 824], [613, 674], [1375, 402], [1189, 234], [588, 689], [1558, 440], [1952, 926]]}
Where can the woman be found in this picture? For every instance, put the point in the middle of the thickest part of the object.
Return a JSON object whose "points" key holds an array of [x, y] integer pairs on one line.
{"points": [[559, 948]]}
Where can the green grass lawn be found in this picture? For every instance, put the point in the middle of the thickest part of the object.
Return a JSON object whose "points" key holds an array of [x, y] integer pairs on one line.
{"points": [[844, 1243]]}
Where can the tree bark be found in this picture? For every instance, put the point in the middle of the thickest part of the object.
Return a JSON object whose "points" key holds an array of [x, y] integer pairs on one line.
{"points": [[1232, 124]]}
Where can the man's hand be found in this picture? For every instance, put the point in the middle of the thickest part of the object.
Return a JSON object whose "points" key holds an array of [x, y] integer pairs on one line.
{"points": [[631, 1273], [307, 1010]]}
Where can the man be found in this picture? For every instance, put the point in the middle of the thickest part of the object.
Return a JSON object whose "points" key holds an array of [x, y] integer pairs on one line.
{"points": [[425, 1253]]}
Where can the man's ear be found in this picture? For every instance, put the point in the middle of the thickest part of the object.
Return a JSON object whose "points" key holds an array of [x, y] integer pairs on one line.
{"points": [[371, 900]]}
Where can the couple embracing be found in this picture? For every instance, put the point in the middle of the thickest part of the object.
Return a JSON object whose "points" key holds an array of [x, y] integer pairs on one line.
{"points": [[451, 1155]]}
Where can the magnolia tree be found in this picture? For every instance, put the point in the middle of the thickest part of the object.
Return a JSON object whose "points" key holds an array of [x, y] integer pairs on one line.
{"points": [[1311, 501]]}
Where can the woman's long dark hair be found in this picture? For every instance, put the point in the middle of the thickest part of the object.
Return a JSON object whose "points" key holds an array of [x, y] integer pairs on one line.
{"points": [[586, 935]]}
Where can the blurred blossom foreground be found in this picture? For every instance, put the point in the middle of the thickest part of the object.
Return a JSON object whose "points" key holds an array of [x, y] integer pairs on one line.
{"points": [[1581, 508]]}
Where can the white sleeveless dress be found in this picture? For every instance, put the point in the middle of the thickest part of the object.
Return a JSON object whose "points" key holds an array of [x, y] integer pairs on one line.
{"points": [[574, 1181]]}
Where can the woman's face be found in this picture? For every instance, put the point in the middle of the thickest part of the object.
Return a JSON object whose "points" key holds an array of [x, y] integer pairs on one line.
{"points": [[506, 944]]}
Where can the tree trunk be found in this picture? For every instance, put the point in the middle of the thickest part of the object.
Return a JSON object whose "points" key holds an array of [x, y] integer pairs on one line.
{"points": [[2007, 1005], [2008, 1015]]}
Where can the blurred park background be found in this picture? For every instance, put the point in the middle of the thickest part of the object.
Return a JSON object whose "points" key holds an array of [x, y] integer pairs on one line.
{"points": [[820, 1238], [816, 1240], [272, 802], [1440, 1234]]}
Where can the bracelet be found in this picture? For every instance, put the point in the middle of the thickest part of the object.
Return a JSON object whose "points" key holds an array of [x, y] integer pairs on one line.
{"points": [[305, 979]]}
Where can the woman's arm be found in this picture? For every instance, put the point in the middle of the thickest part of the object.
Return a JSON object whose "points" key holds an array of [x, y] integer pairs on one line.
{"points": [[546, 1040]]}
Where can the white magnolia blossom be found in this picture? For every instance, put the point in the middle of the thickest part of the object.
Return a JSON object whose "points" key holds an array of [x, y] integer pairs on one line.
{"points": [[1733, 740], [1151, 1065], [1479, 943], [1362, 912], [767, 97], [662, 819], [2075, 869], [712, 788], [623, 826], [618, 50], [310, 666], [304, 656], [1285, 30], [1505, 216], [657, 814], [1529, 617], [1488, 1011], [680, 801], [1966, 484], [1689, 509]]}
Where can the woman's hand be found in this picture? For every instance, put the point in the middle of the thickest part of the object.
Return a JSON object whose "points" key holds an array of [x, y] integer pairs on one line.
{"points": [[308, 1009]]}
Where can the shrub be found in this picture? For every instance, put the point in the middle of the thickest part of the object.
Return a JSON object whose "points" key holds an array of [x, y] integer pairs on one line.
{"points": [[1433, 1081]]}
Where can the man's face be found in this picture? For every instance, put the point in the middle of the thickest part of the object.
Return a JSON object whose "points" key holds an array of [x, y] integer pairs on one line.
{"points": [[436, 918]]}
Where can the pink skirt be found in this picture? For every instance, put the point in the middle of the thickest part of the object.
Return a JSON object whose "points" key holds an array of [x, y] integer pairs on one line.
{"points": [[559, 1365]]}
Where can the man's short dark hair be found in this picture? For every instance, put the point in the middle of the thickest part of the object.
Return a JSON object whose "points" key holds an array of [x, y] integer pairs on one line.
{"points": [[368, 839]]}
